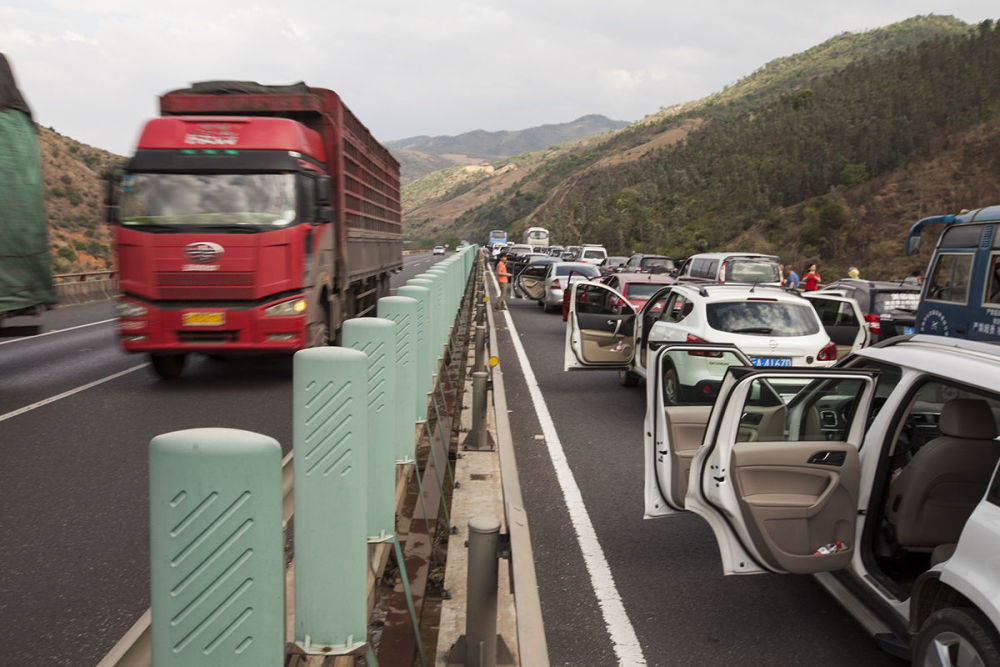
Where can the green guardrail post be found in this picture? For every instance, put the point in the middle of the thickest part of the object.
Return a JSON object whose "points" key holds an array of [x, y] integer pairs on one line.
{"points": [[376, 337], [330, 434], [403, 311], [433, 282], [216, 549], [424, 347]]}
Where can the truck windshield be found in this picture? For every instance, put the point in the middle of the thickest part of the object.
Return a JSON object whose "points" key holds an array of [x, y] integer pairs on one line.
{"points": [[199, 200]]}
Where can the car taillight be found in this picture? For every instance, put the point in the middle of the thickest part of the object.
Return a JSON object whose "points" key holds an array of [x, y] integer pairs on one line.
{"points": [[828, 353], [874, 321], [694, 339]]}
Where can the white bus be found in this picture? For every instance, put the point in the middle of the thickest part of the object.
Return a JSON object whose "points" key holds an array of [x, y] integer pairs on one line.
{"points": [[537, 237]]}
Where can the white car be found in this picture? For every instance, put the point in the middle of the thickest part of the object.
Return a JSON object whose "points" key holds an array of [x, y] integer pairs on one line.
{"points": [[878, 477], [771, 326], [560, 274], [593, 254], [439, 250]]}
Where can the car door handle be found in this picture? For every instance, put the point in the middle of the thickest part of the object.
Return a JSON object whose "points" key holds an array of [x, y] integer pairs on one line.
{"points": [[828, 458]]}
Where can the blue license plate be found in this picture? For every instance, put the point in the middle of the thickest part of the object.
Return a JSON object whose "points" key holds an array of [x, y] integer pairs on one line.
{"points": [[908, 330], [771, 361]]}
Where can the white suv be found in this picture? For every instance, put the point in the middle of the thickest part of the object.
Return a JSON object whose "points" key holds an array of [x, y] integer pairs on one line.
{"points": [[879, 477], [771, 326], [592, 254]]}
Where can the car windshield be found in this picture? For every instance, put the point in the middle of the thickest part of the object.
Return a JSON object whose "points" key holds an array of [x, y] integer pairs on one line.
{"points": [[208, 199], [642, 290], [752, 271], [904, 301], [657, 265], [589, 270], [763, 318]]}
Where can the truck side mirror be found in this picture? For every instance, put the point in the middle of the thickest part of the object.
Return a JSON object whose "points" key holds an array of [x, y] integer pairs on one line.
{"points": [[324, 191], [112, 190]]}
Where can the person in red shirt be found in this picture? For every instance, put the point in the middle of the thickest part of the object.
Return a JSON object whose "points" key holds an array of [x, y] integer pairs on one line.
{"points": [[811, 279], [502, 277]]}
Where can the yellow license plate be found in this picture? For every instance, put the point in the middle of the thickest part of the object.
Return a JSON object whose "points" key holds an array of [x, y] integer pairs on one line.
{"points": [[204, 319]]}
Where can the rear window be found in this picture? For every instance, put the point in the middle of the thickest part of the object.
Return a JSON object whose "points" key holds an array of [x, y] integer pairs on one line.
{"points": [[588, 270], [752, 271], [903, 301], [594, 254], [657, 265], [642, 290], [763, 318]]}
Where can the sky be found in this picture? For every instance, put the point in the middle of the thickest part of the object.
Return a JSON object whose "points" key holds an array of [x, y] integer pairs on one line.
{"points": [[93, 71]]}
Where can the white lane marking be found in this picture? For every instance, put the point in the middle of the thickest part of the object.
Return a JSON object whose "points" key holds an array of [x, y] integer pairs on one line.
{"points": [[50, 333], [65, 394], [623, 638]]}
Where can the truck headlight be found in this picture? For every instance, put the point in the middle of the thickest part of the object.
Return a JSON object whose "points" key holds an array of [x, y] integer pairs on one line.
{"points": [[286, 308], [129, 309]]}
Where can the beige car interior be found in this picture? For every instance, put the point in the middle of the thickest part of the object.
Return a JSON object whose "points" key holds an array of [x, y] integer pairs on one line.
{"points": [[686, 429], [792, 506], [604, 346], [935, 493]]}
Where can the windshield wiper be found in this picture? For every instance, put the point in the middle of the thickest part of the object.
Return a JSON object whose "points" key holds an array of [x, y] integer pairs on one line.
{"points": [[760, 330]]}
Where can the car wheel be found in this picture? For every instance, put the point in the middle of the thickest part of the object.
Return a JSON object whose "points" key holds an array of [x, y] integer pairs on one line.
{"points": [[546, 307], [541, 304], [957, 636], [627, 378], [671, 387], [168, 366]]}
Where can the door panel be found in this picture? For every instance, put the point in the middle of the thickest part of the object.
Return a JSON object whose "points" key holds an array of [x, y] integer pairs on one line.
{"points": [[796, 507], [533, 286], [596, 335], [843, 321], [773, 485], [686, 427]]}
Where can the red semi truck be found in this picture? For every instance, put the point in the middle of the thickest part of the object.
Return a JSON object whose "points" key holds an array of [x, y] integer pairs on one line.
{"points": [[251, 219]]}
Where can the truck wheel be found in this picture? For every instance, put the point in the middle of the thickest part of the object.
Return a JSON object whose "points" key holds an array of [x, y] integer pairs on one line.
{"points": [[319, 335], [168, 366], [957, 636]]}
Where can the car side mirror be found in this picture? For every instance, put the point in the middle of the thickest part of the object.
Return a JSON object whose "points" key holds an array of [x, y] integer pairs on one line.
{"points": [[112, 191]]}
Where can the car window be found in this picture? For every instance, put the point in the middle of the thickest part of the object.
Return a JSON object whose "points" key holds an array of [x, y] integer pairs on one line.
{"points": [[834, 313], [676, 309], [993, 280], [817, 410], [752, 271], [586, 270], [593, 254], [641, 290], [592, 299], [657, 265], [906, 301], [763, 318], [950, 280]]}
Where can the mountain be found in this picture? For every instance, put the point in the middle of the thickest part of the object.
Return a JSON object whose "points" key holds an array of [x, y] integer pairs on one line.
{"points": [[421, 155], [798, 142]]}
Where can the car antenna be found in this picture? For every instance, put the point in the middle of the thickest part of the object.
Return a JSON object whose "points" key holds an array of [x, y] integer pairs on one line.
{"points": [[753, 286]]}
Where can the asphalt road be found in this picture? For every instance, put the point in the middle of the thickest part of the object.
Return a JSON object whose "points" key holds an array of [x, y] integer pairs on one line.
{"points": [[76, 418], [667, 572]]}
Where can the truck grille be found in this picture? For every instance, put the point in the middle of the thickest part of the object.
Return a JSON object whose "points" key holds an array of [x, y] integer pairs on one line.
{"points": [[207, 285], [207, 337]]}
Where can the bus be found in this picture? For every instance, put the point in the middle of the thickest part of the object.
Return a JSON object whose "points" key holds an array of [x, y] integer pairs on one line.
{"points": [[536, 237], [497, 237], [961, 291]]}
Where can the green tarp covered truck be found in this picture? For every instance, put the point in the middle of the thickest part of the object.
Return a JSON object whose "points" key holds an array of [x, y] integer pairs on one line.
{"points": [[25, 271]]}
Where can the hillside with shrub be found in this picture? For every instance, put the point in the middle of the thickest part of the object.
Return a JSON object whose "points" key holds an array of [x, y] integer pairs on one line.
{"points": [[825, 156]]}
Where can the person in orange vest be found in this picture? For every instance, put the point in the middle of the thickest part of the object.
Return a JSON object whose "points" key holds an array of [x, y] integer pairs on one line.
{"points": [[502, 277]]}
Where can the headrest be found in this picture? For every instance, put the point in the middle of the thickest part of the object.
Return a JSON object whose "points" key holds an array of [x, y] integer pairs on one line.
{"points": [[967, 418]]}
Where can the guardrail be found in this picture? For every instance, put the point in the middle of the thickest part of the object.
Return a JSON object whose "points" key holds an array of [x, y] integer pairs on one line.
{"points": [[341, 396]]}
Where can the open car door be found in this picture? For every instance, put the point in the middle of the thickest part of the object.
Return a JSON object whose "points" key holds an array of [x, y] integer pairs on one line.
{"points": [[778, 475], [531, 281], [677, 409], [600, 328], [843, 321]]}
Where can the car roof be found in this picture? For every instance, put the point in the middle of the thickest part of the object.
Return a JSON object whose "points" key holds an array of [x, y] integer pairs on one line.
{"points": [[974, 362], [874, 284], [643, 278], [723, 291], [726, 255]]}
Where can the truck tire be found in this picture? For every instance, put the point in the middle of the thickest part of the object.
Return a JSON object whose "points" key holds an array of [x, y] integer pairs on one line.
{"points": [[957, 635], [168, 366]]}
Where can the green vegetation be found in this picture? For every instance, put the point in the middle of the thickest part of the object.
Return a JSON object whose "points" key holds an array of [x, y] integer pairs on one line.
{"points": [[851, 110]]}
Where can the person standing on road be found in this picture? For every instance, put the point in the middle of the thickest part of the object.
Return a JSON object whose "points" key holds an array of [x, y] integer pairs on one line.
{"points": [[791, 280], [502, 277], [811, 281]]}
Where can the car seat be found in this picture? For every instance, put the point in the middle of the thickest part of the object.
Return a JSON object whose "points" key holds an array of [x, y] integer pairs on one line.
{"points": [[935, 493]]}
